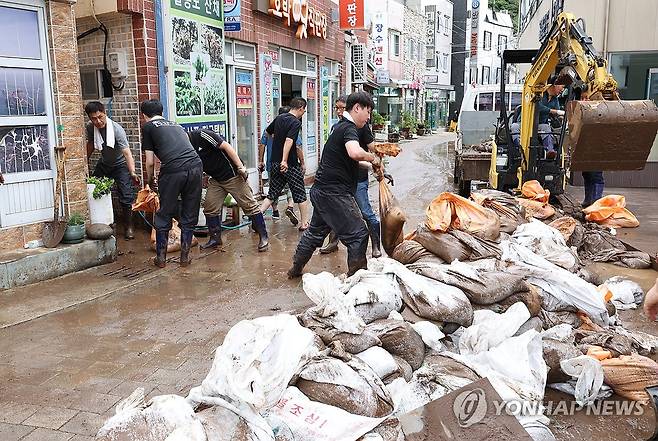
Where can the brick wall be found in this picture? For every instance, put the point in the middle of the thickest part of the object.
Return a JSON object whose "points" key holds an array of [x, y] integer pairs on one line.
{"points": [[67, 104], [124, 106]]}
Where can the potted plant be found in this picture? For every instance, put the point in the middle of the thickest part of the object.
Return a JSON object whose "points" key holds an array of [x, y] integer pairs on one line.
{"points": [[378, 121], [420, 129], [99, 196], [393, 134], [75, 230], [408, 125]]}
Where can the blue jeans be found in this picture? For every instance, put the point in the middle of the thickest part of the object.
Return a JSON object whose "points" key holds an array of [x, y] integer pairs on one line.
{"points": [[363, 201]]}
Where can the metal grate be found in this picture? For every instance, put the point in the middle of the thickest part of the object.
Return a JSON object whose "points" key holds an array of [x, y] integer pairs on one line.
{"points": [[359, 63]]}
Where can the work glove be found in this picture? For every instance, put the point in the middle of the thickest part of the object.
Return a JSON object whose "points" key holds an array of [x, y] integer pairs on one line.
{"points": [[389, 178], [242, 171], [135, 179]]}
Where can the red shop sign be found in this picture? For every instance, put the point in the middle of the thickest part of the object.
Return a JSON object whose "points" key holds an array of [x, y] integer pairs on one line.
{"points": [[352, 14]]}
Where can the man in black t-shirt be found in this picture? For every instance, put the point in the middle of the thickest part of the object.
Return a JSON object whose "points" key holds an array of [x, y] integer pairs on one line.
{"points": [[285, 167], [228, 175], [332, 194], [181, 172]]}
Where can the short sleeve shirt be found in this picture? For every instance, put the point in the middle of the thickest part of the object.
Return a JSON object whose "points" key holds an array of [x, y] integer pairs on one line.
{"points": [[284, 126], [110, 156], [216, 162], [169, 142], [337, 172], [365, 138]]}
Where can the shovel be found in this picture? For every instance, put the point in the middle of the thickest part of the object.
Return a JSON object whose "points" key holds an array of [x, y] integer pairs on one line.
{"points": [[53, 231]]}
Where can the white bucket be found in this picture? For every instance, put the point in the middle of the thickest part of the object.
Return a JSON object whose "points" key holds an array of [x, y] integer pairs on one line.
{"points": [[100, 210]]}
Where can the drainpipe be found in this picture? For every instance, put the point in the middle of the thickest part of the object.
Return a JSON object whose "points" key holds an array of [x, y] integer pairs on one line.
{"points": [[163, 62], [605, 30]]}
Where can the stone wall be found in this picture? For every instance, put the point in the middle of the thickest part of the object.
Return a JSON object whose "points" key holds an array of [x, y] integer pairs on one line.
{"points": [[67, 119]]}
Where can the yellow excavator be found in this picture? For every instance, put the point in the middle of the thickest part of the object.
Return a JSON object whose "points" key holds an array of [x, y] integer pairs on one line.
{"points": [[599, 132]]}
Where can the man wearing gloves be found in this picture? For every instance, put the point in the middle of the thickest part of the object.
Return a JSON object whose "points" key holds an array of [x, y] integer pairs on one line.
{"points": [[181, 172], [228, 175], [547, 107], [116, 160]]}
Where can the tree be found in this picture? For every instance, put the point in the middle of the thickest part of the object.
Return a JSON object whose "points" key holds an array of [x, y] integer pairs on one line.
{"points": [[511, 6]]}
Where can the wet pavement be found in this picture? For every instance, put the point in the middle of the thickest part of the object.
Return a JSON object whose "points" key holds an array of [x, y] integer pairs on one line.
{"points": [[73, 347]]}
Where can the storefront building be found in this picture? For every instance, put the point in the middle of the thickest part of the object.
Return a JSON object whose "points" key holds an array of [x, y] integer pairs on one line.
{"points": [[40, 119], [232, 69]]}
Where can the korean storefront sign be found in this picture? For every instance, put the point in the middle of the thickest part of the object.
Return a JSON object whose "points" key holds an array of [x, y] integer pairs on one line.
{"points": [[309, 20], [232, 9], [380, 40], [198, 74], [243, 93], [326, 110], [383, 76], [266, 90], [351, 14], [475, 20]]}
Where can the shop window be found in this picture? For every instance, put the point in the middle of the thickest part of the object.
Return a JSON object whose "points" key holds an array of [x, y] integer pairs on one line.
{"points": [[395, 44], [485, 101], [244, 52], [487, 41], [287, 59], [300, 62], [20, 33], [486, 72]]}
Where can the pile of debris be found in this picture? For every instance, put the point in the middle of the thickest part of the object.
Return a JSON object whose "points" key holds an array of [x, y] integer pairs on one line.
{"points": [[513, 305]]}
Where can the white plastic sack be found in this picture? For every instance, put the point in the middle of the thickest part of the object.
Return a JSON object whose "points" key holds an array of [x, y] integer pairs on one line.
{"points": [[489, 329], [428, 298], [547, 242], [253, 366], [374, 295], [569, 388], [563, 332], [333, 307], [554, 280], [626, 294], [296, 418], [379, 360], [589, 374], [431, 335]]}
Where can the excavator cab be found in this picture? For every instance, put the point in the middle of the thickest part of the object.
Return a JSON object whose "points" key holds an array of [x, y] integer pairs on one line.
{"points": [[600, 132]]}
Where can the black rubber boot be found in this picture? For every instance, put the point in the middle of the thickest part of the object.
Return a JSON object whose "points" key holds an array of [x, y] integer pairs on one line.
{"points": [[161, 242], [296, 270], [185, 246], [332, 244], [214, 225], [129, 232], [375, 242], [589, 194], [258, 222], [354, 265]]}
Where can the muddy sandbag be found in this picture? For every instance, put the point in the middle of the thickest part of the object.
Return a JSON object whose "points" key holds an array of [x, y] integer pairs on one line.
{"points": [[442, 365], [389, 430], [410, 251], [221, 424], [554, 352], [403, 371], [548, 243], [400, 339], [392, 218], [480, 286], [617, 344], [551, 319], [532, 323], [380, 361], [351, 386], [529, 296], [352, 343], [629, 375], [611, 211], [510, 212], [536, 209], [456, 245], [373, 294], [599, 245], [451, 211], [566, 225], [99, 231]]}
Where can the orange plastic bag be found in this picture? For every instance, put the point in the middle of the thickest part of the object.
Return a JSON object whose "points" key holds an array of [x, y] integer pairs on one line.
{"points": [[147, 200], [392, 218], [611, 211], [537, 209], [533, 190], [449, 210], [565, 225], [629, 375], [173, 244]]}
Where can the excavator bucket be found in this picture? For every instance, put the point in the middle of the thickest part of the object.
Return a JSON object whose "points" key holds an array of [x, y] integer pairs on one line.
{"points": [[611, 135]]}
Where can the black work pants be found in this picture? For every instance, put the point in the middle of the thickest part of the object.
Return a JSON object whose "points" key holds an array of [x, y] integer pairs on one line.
{"points": [[338, 213], [187, 185], [121, 177]]}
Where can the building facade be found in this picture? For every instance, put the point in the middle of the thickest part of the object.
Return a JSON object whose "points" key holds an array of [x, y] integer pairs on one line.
{"points": [[40, 119], [625, 33], [488, 34], [437, 79]]}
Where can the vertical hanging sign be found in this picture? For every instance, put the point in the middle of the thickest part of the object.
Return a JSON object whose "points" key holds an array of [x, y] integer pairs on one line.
{"points": [[198, 71], [232, 9], [266, 96], [326, 110], [380, 40], [352, 14]]}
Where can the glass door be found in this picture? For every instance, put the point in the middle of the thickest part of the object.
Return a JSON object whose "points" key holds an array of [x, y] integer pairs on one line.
{"points": [[242, 118], [311, 150]]}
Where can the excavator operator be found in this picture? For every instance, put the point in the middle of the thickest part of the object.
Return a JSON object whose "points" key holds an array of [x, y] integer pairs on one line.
{"points": [[549, 106]]}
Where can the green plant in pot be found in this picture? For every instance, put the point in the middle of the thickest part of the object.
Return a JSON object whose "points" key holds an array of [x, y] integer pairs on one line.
{"points": [[420, 129], [408, 125], [75, 230], [378, 121], [393, 134]]}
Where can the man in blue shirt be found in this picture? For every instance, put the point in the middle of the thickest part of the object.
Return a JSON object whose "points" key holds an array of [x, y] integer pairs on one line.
{"points": [[549, 106]]}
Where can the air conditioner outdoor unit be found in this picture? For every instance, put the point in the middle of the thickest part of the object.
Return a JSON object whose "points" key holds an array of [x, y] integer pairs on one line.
{"points": [[359, 64]]}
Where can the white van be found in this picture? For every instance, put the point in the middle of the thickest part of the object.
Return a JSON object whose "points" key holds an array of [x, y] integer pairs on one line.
{"points": [[480, 110]]}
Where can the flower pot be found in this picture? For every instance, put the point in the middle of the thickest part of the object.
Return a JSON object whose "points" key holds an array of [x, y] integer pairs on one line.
{"points": [[100, 210], [74, 234], [378, 127], [405, 133], [393, 137], [420, 131]]}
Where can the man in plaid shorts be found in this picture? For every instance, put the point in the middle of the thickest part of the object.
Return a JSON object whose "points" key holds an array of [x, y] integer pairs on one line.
{"points": [[285, 167]]}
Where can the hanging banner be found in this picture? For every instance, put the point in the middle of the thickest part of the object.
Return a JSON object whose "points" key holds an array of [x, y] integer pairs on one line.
{"points": [[198, 73], [352, 14], [232, 10], [475, 20], [380, 40], [326, 109], [266, 88]]}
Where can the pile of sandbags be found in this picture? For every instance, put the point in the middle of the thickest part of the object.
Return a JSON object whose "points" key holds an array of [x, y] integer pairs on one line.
{"points": [[508, 209]]}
